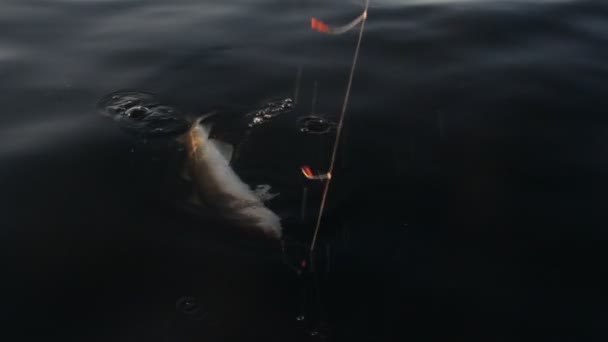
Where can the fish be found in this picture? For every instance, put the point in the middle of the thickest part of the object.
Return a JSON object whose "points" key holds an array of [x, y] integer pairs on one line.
{"points": [[217, 186]]}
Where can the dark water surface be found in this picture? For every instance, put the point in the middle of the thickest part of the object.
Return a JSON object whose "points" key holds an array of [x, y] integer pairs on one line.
{"points": [[469, 200]]}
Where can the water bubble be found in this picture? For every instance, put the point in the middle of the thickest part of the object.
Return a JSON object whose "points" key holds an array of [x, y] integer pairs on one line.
{"points": [[300, 318], [190, 307], [136, 111], [271, 110], [315, 125]]}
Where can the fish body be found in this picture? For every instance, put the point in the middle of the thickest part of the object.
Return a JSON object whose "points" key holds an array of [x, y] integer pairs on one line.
{"points": [[220, 189]]}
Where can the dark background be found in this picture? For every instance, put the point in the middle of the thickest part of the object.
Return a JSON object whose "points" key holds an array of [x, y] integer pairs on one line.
{"points": [[468, 204]]}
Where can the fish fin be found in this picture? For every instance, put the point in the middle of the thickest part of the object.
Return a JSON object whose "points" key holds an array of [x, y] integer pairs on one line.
{"points": [[262, 192], [225, 149]]}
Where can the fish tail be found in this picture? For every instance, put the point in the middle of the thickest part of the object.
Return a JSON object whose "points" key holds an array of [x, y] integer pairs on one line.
{"points": [[205, 116], [196, 122], [202, 121]]}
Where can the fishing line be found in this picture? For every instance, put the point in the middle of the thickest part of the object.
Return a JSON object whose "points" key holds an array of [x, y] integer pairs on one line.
{"points": [[314, 99], [297, 88], [322, 27]]}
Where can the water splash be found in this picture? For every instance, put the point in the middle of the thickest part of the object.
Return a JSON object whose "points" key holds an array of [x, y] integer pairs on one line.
{"points": [[142, 114], [270, 110]]}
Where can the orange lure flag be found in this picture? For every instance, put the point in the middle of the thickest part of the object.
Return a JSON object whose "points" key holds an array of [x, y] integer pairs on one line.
{"points": [[307, 172], [318, 25]]}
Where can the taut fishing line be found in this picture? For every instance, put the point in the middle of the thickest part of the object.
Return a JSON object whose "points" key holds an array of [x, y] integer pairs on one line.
{"points": [[320, 26]]}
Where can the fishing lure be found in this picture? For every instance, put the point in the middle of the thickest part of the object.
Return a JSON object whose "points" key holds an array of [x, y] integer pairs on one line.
{"points": [[320, 26], [309, 174]]}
